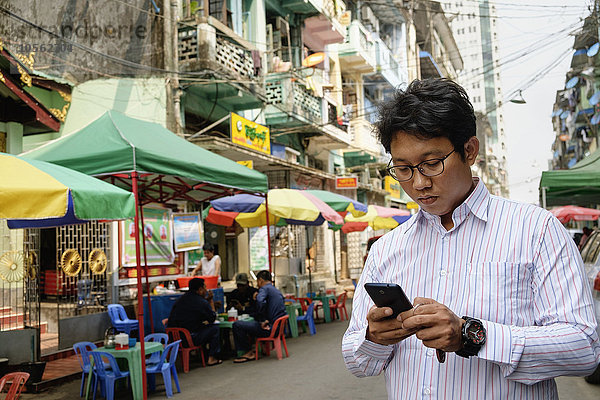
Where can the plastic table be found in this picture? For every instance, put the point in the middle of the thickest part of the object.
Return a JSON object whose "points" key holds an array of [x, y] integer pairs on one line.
{"points": [[292, 310], [325, 300], [225, 337], [134, 363]]}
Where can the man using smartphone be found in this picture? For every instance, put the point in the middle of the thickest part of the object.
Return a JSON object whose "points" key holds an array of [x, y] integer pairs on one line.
{"points": [[496, 284]]}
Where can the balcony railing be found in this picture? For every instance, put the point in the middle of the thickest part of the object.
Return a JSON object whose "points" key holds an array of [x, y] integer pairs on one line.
{"points": [[358, 50], [291, 98], [216, 53]]}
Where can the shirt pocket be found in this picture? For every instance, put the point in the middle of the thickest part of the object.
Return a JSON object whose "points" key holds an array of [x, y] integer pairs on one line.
{"points": [[497, 291]]}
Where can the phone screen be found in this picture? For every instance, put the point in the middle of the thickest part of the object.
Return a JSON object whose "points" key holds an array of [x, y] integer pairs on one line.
{"points": [[389, 295]]}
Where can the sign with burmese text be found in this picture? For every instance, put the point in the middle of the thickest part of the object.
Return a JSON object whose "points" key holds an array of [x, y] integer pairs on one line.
{"points": [[250, 134], [346, 182]]}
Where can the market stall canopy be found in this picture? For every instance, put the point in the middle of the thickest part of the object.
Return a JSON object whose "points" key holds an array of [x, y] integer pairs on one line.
{"points": [[377, 217], [172, 168], [579, 185], [39, 194], [286, 206], [574, 213], [340, 203]]}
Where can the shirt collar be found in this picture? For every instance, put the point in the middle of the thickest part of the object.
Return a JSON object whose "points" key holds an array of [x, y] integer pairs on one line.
{"points": [[476, 203]]}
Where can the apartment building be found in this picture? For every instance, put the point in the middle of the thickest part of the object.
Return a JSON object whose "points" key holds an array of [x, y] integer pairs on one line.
{"points": [[474, 27]]}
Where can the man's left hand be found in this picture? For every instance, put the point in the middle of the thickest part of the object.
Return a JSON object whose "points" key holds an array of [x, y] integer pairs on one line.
{"points": [[265, 325], [437, 326]]}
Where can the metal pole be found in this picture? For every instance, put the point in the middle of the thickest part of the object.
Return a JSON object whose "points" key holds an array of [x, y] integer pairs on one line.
{"points": [[268, 231], [140, 295], [544, 196], [146, 269]]}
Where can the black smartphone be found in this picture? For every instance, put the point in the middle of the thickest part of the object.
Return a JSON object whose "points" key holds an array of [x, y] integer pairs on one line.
{"points": [[389, 295]]}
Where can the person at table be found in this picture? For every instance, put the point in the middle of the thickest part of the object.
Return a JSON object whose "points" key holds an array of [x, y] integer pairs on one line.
{"points": [[269, 307], [195, 311], [210, 264], [243, 298]]}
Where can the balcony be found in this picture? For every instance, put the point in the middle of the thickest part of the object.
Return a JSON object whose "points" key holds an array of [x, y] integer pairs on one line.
{"points": [[388, 67], [361, 133], [357, 53], [224, 57], [290, 102], [325, 28]]}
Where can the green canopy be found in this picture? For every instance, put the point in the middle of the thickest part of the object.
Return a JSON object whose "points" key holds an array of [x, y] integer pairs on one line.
{"points": [[579, 185], [170, 165]]}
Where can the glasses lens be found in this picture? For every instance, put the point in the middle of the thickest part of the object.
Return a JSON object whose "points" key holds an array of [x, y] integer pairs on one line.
{"points": [[402, 173], [432, 168]]}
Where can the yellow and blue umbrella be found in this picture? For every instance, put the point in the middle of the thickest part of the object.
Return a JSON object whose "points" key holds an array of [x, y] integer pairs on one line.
{"points": [[40, 194], [286, 206], [377, 217], [340, 203]]}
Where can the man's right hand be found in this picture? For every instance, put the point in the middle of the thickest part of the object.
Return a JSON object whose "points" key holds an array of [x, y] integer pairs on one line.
{"points": [[385, 330]]}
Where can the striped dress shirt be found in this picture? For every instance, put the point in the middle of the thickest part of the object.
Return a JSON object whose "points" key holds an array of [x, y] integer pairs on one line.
{"points": [[511, 265]]}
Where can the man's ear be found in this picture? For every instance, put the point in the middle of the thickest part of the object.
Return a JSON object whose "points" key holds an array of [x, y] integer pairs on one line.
{"points": [[471, 150]]}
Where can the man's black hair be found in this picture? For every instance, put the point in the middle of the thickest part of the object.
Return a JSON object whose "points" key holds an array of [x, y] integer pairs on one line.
{"points": [[264, 275], [429, 108], [208, 247], [195, 284]]}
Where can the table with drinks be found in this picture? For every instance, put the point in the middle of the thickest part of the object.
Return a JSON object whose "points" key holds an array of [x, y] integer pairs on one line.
{"points": [[134, 362]]}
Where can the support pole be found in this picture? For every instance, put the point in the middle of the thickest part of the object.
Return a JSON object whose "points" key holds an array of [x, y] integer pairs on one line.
{"points": [[140, 294], [544, 196], [268, 231], [146, 269]]}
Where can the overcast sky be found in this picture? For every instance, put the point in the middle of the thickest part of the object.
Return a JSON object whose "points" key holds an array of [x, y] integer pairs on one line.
{"points": [[541, 28]]}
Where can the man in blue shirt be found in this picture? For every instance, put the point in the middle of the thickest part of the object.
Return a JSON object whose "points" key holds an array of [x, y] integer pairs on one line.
{"points": [[195, 311], [270, 306]]}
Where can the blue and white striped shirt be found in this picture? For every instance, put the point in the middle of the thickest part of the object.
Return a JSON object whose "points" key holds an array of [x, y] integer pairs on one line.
{"points": [[511, 265]]}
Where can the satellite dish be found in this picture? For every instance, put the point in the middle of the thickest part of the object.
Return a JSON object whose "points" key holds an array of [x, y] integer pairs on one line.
{"points": [[593, 50], [572, 82], [313, 59]]}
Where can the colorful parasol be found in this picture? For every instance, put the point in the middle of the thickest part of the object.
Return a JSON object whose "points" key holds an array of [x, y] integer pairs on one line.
{"points": [[377, 217], [574, 213], [340, 203], [286, 206], [39, 194]]}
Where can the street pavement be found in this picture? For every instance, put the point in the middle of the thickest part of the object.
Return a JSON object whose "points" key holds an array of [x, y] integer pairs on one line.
{"points": [[314, 370]]}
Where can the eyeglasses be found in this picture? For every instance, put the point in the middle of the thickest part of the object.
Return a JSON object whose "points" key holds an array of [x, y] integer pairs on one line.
{"points": [[432, 167]]}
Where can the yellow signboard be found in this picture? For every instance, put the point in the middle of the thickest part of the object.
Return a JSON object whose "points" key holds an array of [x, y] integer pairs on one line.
{"points": [[250, 134], [247, 163], [392, 187]]}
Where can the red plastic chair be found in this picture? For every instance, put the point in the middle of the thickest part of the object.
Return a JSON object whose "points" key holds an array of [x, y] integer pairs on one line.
{"points": [[304, 303], [277, 337], [339, 305], [187, 346], [17, 380]]}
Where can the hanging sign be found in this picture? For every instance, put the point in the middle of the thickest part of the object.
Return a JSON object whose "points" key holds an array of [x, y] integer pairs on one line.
{"points": [[250, 134], [346, 182], [392, 187], [187, 231], [259, 248]]}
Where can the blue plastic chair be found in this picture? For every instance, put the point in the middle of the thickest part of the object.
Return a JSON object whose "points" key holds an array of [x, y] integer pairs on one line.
{"points": [[82, 351], [166, 367], [163, 338], [309, 319], [119, 319], [107, 377]]}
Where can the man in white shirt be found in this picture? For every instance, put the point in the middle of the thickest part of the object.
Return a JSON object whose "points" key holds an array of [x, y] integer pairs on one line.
{"points": [[497, 285]]}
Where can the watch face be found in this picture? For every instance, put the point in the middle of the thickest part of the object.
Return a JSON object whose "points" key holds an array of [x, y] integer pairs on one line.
{"points": [[475, 332]]}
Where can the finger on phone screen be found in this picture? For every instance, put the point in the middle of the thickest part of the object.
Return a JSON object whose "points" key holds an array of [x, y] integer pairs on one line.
{"points": [[380, 313]]}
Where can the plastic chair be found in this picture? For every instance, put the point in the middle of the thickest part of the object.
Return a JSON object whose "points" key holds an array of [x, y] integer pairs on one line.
{"points": [[340, 305], [163, 338], [107, 377], [304, 303], [82, 350], [187, 346], [119, 319], [17, 381], [277, 337], [308, 319], [166, 367]]}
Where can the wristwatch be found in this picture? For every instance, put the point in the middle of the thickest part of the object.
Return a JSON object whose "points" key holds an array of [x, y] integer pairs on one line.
{"points": [[473, 337]]}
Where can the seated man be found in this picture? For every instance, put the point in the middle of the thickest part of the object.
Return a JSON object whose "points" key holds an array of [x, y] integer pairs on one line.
{"points": [[243, 298], [270, 306], [195, 311]]}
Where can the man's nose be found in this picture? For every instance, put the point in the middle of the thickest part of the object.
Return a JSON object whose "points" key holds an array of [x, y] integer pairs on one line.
{"points": [[420, 181]]}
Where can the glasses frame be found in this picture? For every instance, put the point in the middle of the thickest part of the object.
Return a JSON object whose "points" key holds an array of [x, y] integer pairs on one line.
{"points": [[390, 168]]}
